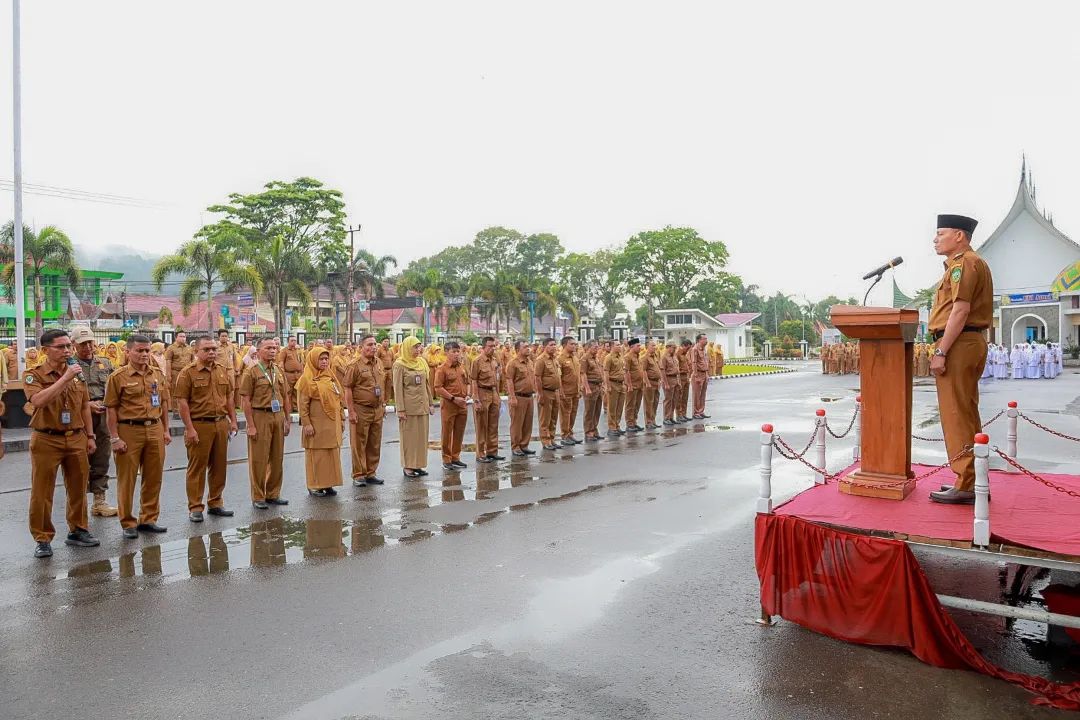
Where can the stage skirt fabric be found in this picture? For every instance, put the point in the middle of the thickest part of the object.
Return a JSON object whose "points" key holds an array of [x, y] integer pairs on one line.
{"points": [[871, 591]]}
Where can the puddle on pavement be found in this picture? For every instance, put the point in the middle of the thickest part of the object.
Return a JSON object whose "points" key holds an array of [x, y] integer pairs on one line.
{"points": [[831, 399]]}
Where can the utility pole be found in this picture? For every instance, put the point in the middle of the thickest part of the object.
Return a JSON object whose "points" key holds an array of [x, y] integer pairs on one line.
{"points": [[349, 283], [16, 107], [123, 306]]}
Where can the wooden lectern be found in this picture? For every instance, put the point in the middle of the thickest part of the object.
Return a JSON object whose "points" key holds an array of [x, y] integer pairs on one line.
{"points": [[886, 337]]}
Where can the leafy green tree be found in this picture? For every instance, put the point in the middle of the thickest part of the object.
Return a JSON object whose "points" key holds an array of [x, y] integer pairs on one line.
{"points": [[206, 262], [283, 275], [500, 294], [721, 293], [581, 274], [538, 259], [611, 287], [50, 248], [496, 248], [429, 285]]}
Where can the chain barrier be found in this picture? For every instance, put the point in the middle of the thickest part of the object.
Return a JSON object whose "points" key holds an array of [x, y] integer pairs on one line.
{"points": [[1033, 476], [844, 434], [1043, 427], [941, 439], [784, 449]]}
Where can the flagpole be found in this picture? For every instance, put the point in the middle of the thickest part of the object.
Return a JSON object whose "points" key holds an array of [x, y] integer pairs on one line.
{"points": [[16, 104]]}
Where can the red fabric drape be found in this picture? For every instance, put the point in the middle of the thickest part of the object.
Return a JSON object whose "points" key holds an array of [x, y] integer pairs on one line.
{"points": [[871, 591]]}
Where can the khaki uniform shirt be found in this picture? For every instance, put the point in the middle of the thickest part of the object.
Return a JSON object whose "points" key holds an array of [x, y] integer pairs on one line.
{"points": [[366, 380], [632, 362], [179, 357], [291, 361], [452, 379], [684, 363], [263, 384], [967, 277], [570, 370], [651, 365], [548, 376], [594, 370], [520, 372], [207, 388], [485, 373], [130, 393], [96, 372], [615, 368], [74, 399], [669, 366], [699, 364]]}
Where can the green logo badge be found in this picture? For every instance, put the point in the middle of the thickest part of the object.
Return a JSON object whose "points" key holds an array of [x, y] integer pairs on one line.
{"points": [[955, 275], [29, 379]]}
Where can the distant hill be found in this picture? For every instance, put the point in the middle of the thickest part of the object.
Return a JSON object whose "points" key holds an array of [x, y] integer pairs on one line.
{"points": [[119, 258]]}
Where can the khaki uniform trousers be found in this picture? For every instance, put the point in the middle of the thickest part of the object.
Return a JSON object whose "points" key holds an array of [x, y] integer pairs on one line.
{"points": [[670, 396], [650, 398], [487, 423], [146, 454], [99, 461], [266, 454], [49, 453], [549, 412], [365, 440], [210, 453], [958, 403], [616, 399], [593, 402], [682, 400], [568, 409], [521, 423], [633, 405], [454, 418], [700, 386]]}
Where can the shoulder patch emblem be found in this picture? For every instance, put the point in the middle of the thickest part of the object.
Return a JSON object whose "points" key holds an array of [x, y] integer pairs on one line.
{"points": [[955, 274], [29, 380]]}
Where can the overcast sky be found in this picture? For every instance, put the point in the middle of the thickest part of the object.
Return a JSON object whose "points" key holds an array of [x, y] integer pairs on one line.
{"points": [[816, 139]]}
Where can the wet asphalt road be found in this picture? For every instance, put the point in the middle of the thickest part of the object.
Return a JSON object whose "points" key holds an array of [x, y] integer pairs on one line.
{"points": [[608, 581]]}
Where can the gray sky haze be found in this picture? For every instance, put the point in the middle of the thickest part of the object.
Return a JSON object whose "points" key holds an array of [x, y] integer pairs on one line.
{"points": [[817, 140]]}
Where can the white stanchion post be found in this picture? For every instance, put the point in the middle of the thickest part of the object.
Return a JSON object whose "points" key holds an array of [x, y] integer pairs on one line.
{"points": [[856, 452], [1010, 443], [981, 534], [819, 444], [764, 503]]}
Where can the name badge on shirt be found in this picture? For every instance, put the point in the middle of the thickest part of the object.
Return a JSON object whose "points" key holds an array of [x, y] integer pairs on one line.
{"points": [[65, 417], [155, 400], [275, 405], [378, 392], [416, 379]]}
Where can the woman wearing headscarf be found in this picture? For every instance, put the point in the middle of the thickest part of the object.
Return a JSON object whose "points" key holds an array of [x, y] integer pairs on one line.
{"points": [[157, 355], [319, 398], [250, 358], [412, 391]]}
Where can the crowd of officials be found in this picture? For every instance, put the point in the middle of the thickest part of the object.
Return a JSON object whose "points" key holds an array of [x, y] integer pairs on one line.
{"points": [[88, 403]]}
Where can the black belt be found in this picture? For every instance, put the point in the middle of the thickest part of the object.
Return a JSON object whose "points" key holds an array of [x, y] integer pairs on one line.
{"points": [[265, 409], [938, 334], [209, 418], [524, 394], [595, 382], [145, 423], [60, 433], [486, 387]]}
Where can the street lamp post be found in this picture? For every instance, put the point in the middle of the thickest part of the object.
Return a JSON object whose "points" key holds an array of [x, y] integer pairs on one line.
{"points": [[530, 296]]}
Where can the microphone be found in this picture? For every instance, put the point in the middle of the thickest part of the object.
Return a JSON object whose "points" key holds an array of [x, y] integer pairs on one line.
{"points": [[881, 270]]}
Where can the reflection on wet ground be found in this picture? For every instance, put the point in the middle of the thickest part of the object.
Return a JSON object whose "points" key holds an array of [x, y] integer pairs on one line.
{"points": [[287, 540]]}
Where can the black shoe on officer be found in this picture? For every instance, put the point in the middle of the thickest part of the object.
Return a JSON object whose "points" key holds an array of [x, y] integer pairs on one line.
{"points": [[151, 528], [277, 501], [260, 505], [458, 464], [372, 480], [81, 538], [219, 512], [43, 550], [195, 516], [131, 533]]}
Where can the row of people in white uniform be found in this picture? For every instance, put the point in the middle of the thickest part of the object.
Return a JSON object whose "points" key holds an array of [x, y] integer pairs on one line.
{"points": [[1029, 361]]}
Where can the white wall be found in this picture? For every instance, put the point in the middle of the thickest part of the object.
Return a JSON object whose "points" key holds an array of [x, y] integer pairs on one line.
{"points": [[1026, 257]]}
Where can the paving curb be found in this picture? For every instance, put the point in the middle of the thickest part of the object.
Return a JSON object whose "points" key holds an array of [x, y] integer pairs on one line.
{"points": [[776, 371]]}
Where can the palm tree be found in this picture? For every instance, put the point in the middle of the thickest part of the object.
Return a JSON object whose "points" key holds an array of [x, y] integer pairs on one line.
{"points": [[428, 284], [500, 292], [370, 272], [51, 248], [204, 263], [283, 272]]}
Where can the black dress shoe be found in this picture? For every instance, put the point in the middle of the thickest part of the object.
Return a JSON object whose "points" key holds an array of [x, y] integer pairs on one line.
{"points": [[195, 516], [552, 447], [570, 441], [260, 504], [151, 528], [705, 417], [592, 438], [484, 460], [43, 550], [613, 433], [458, 463], [421, 471], [517, 453], [373, 480], [669, 422], [81, 538], [277, 501], [219, 512], [527, 451], [952, 496], [317, 493], [331, 491], [359, 482], [496, 457], [450, 466], [131, 533]]}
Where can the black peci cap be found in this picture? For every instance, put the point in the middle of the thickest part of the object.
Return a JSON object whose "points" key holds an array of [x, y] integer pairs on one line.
{"points": [[957, 222], [632, 342]]}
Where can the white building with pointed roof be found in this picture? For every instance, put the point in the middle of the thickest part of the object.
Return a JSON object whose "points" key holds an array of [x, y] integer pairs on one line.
{"points": [[1026, 253]]}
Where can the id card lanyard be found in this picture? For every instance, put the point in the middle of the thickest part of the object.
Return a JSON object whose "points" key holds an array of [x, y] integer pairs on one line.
{"points": [[275, 404]]}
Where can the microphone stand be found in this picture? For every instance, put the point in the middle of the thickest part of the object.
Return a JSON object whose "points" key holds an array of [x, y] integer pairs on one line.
{"points": [[876, 281]]}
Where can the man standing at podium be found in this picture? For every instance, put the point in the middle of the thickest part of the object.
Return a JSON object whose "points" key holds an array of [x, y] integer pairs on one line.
{"points": [[963, 310]]}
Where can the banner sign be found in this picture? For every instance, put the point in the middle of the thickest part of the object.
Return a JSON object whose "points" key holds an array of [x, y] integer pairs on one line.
{"points": [[1028, 298], [245, 300]]}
